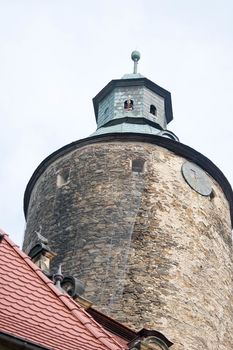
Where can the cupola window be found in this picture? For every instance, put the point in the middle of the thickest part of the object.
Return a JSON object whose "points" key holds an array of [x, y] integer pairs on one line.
{"points": [[128, 105], [153, 110], [138, 165]]}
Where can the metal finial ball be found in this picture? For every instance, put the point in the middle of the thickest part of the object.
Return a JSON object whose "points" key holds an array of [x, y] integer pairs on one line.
{"points": [[135, 55]]}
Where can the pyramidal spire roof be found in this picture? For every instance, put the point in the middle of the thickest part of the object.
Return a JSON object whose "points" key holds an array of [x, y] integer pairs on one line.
{"points": [[34, 311]]}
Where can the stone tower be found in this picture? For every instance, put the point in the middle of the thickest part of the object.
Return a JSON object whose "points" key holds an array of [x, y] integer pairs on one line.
{"points": [[141, 219]]}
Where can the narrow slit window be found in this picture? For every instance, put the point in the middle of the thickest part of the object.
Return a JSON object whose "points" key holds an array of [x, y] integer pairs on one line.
{"points": [[106, 112], [153, 110], [138, 165], [128, 105]]}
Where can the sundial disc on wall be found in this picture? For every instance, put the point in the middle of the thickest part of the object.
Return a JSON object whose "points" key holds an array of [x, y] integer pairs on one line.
{"points": [[196, 178]]}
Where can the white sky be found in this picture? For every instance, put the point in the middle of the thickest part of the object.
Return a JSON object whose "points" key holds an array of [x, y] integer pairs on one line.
{"points": [[56, 55]]}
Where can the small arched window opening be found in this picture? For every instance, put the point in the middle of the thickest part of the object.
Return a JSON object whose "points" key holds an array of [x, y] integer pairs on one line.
{"points": [[153, 110], [128, 105], [63, 177], [212, 195], [138, 165]]}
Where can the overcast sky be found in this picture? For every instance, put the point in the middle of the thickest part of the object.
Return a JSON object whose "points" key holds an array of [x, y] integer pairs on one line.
{"points": [[55, 56]]}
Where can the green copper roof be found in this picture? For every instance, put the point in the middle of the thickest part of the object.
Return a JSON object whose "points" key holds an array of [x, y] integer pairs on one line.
{"points": [[132, 76], [127, 127]]}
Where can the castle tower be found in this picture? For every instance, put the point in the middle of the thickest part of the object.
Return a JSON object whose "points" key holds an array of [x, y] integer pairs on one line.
{"points": [[141, 219]]}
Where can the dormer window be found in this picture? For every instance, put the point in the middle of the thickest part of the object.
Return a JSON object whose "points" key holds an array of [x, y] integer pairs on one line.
{"points": [[128, 105], [153, 110]]}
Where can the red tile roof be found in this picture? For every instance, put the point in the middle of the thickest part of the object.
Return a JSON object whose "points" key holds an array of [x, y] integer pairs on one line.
{"points": [[33, 308]]}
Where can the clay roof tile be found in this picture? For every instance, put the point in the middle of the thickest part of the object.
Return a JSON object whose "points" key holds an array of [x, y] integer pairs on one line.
{"points": [[31, 307]]}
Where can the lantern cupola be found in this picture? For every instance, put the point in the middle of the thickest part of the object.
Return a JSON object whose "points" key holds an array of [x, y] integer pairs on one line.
{"points": [[133, 104]]}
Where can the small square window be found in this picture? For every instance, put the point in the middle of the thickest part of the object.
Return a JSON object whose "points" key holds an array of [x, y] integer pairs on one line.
{"points": [[138, 165]]}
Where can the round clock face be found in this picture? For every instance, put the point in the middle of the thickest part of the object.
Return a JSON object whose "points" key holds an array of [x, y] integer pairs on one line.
{"points": [[196, 178]]}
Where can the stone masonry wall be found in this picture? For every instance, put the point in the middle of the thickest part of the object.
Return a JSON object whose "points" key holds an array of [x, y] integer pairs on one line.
{"points": [[151, 251]]}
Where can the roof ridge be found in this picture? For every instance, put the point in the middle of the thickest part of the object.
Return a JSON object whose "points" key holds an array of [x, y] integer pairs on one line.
{"points": [[66, 300]]}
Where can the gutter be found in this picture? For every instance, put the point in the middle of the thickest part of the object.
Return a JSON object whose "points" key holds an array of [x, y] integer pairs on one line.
{"points": [[18, 343]]}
